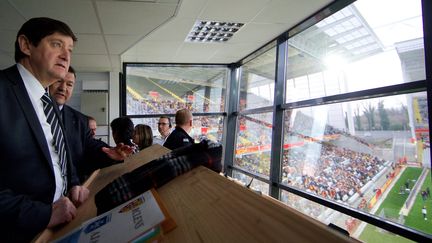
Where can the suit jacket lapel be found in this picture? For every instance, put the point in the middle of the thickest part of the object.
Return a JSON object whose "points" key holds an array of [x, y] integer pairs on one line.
{"points": [[68, 127], [67, 119], [28, 110]]}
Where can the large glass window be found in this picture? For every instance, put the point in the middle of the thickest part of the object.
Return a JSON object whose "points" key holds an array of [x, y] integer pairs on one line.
{"points": [[354, 227], [252, 151], [362, 46], [257, 81], [371, 154], [352, 158], [164, 89], [354, 117], [156, 89], [254, 143]]}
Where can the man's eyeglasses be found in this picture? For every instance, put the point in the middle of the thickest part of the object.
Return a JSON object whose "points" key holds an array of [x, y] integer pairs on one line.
{"points": [[162, 123]]}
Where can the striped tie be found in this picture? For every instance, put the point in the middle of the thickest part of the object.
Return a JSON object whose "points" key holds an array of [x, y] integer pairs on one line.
{"points": [[57, 133]]}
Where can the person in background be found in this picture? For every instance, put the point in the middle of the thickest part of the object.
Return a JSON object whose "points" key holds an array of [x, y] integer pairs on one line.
{"points": [[164, 128], [38, 185], [86, 152], [92, 125], [143, 136], [122, 129], [179, 137]]}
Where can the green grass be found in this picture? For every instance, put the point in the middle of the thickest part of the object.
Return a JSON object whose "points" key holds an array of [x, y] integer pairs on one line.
{"points": [[392, 205], [415, 217], [373, 234], [394, 201]]}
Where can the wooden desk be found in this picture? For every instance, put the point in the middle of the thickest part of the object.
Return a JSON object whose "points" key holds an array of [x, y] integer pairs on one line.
{"points": [[208, 207], [95, 183]]}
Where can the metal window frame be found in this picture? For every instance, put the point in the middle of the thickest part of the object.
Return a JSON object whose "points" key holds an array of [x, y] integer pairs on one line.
{"points": [[278, 108]]}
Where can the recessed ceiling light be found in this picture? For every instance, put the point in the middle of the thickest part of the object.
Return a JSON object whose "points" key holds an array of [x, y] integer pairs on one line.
{"points": [[212, 31]]}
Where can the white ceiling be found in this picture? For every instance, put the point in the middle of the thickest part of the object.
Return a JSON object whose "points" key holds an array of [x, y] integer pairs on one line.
{"points": [[114, 31]]}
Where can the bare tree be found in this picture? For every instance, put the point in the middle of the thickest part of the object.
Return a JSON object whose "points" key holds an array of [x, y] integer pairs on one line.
{"points": [[384, 118], [369, 112], [357, 118]]}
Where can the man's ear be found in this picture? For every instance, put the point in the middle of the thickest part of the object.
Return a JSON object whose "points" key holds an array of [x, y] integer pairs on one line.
{"points": [[24, 44]]}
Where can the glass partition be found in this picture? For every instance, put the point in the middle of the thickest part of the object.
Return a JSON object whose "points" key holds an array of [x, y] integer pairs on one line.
{"points": [[257, 81], [372, 154], [164, 89], [253, 184], [153, 90], [252, 152], [360, 47], [210, 127], [346, 224]]}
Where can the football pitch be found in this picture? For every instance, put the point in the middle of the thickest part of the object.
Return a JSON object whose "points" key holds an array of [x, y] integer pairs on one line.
{"points": [[393, 203]]}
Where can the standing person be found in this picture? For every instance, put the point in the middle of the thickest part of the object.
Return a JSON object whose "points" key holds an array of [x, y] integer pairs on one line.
{"points": [[86, 152], [38, 184], [164, 128], [180, 137], [424, 212], [143, 136], [92, 125]]}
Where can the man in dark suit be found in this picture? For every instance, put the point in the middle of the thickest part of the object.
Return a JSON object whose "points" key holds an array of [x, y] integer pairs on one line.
{"points": [[86, 152], [34, 174], [92, 125], [179, 137]]}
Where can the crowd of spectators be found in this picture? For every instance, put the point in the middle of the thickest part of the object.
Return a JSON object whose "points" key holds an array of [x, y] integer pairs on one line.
{"points": [[423, 111], [258, 163], [332, 172], [316, 165], [204, 126], [153, 106], [170, 105], [337, 174]]}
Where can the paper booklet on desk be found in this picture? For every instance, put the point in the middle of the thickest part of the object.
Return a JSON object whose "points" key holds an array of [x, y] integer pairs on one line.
{"points": [[142, 219]]}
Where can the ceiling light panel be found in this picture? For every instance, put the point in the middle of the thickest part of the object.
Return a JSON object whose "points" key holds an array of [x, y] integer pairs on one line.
{"points": [[212, 31]]}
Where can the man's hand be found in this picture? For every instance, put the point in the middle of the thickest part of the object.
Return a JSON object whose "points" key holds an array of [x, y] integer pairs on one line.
{"points": [[63, 211], [78, 194], [119, 153]]}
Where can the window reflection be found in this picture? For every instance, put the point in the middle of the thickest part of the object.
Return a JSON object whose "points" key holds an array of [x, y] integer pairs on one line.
{"points": [[361, 153], [253, 184], [356, 49], [164, 89], [355, 227], [254, 143], [257, 81], [209, 127]]}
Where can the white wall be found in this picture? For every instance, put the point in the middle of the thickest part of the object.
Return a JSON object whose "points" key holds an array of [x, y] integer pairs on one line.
{"points": [[104, 81]]}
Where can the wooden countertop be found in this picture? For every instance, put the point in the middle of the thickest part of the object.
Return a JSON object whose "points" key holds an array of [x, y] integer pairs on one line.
{"points": [[208, 207]]}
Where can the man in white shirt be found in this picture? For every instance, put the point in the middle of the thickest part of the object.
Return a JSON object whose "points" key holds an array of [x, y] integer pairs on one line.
{"points": [[164, 128], [38, 186]]}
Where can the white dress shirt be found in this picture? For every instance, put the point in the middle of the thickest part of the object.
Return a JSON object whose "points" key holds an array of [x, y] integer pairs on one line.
{"points": [[36, 91]]}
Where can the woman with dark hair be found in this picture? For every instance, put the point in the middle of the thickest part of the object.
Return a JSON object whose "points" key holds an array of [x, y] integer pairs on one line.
{"points": [[143, 136]]}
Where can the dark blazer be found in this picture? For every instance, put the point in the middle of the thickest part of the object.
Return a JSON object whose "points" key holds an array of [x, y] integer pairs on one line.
{"points": [[178, 138], [86, 152], [27, 183]]}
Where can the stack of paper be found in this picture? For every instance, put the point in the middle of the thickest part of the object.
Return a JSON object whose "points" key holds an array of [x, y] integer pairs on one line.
{"points": [[137, 219]]}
